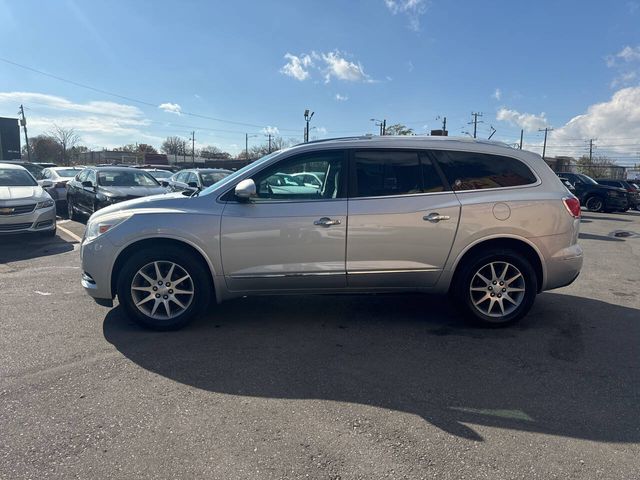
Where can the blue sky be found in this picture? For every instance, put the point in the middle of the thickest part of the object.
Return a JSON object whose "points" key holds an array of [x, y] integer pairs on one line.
{"points": [[257, 64]]}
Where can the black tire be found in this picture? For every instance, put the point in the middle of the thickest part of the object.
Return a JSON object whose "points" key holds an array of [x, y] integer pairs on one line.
{"points": [[71, 212], [49, 233], [190, 263], [464, 277], [595, 203]]}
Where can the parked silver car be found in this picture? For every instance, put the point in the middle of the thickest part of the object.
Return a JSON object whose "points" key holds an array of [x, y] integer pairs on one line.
{"points": [[24, 206], [54, 181], [490, 225]]}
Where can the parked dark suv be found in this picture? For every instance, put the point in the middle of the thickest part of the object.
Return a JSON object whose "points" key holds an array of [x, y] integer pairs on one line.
{"points": [[633, 194], [596, 197]]}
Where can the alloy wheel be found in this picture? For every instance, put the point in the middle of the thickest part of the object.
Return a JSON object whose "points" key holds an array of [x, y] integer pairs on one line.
{"points": [[162, 290], [497, 289]]}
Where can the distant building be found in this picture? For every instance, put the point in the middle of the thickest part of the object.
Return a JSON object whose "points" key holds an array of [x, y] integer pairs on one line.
{"points": [[118, 157], [9, 139]]}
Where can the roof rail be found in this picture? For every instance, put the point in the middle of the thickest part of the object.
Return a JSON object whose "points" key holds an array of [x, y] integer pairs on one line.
{"points": [[358, 137]]}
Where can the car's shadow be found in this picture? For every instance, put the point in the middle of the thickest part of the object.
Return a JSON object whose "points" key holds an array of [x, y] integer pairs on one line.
{"points": [[18, 247], [569, 369]]}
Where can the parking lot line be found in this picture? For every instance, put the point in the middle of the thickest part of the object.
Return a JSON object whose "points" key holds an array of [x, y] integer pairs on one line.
{"points": [[70, 233]]}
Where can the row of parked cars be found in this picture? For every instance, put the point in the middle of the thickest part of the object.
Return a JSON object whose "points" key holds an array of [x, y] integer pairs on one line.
{"points": [[42, 190], [603, 194]]}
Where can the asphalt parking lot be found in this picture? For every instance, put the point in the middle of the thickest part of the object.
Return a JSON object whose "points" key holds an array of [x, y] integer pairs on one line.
{"points": [[332, 387]]}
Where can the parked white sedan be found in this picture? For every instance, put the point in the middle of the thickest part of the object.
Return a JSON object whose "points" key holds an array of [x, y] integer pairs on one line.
{"points": [[24, 205]]}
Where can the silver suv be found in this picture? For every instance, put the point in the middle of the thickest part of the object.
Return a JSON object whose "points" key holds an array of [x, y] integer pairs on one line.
{"points": [[490, 225]]}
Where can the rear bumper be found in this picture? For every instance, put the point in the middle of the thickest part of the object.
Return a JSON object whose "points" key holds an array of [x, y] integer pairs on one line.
{"points": [[616, 203], [564, 267]]}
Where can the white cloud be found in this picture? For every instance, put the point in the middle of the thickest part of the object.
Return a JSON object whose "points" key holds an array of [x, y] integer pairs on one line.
{"points": [[497, 94], [527, 121], [269, 130], [624, 79], [341, 98], [171, 108], [339, 67], [297, 66], [99, 123], [330, 65], [613, 123], [413, 9]]}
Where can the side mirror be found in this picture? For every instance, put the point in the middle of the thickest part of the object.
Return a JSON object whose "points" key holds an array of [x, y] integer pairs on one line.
{"points": [[87, 184], [164, 183], [192, 185], [45, 183], [245, 189]]}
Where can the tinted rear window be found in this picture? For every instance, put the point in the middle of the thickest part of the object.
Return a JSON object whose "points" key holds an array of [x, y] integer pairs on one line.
{"points": [[474, 171], [384, 173]]}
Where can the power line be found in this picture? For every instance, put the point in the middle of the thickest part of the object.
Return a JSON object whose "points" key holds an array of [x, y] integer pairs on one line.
{"points": [[129, 99]]}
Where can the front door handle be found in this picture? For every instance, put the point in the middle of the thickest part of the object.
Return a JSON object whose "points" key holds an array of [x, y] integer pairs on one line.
{"points": [[435, 217], [326, 222]]}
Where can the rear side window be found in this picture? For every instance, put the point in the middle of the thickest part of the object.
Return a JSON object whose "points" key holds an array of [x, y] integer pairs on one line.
{"points": [[475, 171], [388, 172]]}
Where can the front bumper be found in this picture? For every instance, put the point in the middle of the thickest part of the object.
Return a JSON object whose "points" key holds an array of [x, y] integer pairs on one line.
{"points": [[97, 258], [40, 220]]}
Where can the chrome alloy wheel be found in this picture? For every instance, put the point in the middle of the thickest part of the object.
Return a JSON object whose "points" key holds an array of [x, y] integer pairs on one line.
{"points": [[162, 290], [497, 289]]}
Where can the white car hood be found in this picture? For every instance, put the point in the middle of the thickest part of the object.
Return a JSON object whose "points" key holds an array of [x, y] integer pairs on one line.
{"points": [[20, 193]]}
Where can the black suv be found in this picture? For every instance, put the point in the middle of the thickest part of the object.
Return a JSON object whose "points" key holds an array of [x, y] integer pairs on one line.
{"points": [[633, 194], [596, 197]]}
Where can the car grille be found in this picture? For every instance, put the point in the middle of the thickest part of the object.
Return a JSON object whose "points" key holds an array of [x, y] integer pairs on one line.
{"points": [[14, 227], [17, 209]]}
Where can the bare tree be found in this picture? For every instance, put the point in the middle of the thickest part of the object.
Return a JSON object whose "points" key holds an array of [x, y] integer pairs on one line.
{"points": [[66, 138], [596, 167]]}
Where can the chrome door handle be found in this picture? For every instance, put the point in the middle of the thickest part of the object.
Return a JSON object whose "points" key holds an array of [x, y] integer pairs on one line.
{"points": [[435, 217], [326, 222]]}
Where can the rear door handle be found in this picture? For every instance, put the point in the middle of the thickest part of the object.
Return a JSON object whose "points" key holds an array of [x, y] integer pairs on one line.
{"points": [[326, 222], [435, 217]]}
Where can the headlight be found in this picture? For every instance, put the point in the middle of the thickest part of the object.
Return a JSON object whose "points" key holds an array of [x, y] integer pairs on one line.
{"points": [[102, 225], [612, 193], [45, 204]]}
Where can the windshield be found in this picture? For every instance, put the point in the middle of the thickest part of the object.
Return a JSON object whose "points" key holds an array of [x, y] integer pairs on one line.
{"points": [[126, 178], [67, 172], [13, 177], [587, 179], [209, 178], [239, 173], [160, 174]]}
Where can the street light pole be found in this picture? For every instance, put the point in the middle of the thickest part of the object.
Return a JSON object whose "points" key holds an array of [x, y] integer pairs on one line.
{"points": [[307, 117]]}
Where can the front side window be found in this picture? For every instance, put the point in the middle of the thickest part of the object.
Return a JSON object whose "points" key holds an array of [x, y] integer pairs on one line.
{"points": [[283, 181], [388, 172], [475, 171]]}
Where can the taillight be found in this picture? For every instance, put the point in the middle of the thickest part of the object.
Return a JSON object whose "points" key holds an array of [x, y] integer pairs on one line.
{"points": [[572, 204]]}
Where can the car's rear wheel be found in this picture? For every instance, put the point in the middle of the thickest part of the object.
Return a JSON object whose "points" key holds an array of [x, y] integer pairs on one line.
{"points": [[595, 203], [71, 209], [163, 289], [495, 287]]}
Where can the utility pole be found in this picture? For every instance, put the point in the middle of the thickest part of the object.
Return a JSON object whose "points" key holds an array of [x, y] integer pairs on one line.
{"points": [[193, 149], [475, 116], [383, 127], [444, 124], [307, 118], [521, 136], [23, 122], [246, 146], [546, 130], [591, 149], [269, 143]]}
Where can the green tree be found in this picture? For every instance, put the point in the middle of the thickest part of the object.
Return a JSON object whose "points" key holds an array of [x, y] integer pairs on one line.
{"points": [[398, 129]]}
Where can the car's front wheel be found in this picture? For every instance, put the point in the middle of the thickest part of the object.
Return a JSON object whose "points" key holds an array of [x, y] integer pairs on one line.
{"points": [[163, 288], [71, 209], [496, 287]]}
